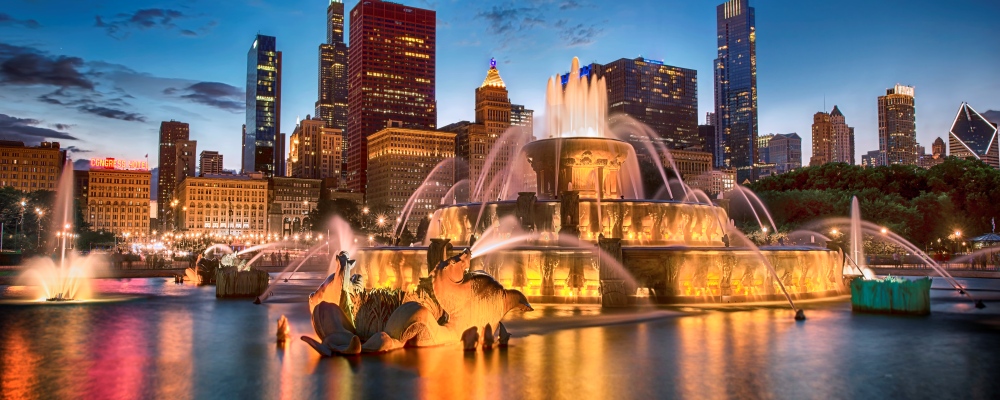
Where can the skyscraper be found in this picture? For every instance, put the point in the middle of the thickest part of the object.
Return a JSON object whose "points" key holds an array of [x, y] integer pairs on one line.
{"points": [[391, 69], [938, 150], [314, 151], [331, 103], [184, 152], [209, 163], [663, 97], [822, 140], [843, 137], [897, 127], [523, 117], [972, 135], [736, 89], [171, 132], [261, 150], [785, 152]]}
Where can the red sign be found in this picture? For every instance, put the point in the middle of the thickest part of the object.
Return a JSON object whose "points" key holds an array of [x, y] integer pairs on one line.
{"points": [[111, 163]]}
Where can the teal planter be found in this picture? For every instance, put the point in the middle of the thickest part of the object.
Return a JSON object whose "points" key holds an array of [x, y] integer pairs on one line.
{"points": [[891, 296]]}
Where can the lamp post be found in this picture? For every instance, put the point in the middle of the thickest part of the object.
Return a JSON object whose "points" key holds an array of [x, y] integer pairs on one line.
{"points": [[38, 238]]}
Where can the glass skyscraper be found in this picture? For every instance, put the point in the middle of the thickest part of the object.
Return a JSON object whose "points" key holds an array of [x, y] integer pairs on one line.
{"points": [[736, 89], [262, 150], [972, 135]]}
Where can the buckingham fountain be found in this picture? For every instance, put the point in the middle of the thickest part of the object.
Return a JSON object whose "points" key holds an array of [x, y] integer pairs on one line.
{"points": [[571, 226]]}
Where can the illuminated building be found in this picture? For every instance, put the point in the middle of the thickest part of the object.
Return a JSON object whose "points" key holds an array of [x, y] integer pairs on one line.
{"points": [[822, 139], [871, 159], [736, 88], [399, 160], [690, 163], [843, 138], [475, 141], [938, 150], [170, 133], [30, 168], [314, 150], [118, 197], [210, 162], [221, 205], [713, 182], [971, 135], [331, 103], [897, 127], [663, 97], [185, 159], [391, 69], [290, 200], [263, 149]]}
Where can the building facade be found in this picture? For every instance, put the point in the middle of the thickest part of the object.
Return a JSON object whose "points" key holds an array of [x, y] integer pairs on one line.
{"points": [[331, 104], [785, 152], [315, 150], [714, 182], [262, 145], [290, 200], [822, 139], [30, 168], [690, 164], [736, 88], [399, 160], [938, 149], [523, 117], [897, 127], [209, 163], [843, 137], [118, 200], [391, 76], [222, 205], [971, 135], [871, 159]]}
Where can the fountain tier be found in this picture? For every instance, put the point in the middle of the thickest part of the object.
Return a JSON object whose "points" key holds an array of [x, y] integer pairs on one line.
{"points": [[587, 165]]}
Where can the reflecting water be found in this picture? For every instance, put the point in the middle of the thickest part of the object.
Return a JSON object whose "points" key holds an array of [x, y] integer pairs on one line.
{"points": [[178, 341]]}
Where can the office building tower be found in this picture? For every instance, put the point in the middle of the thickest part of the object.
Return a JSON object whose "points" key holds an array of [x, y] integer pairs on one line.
{"points": [[832, 139], [843, 137], [118, 200], [938, 149], [399, 160], [209, 162], [871, 159], [785, 152], [171, 132], [290, 201], [661, 96], [261, 149], [523, 117], [231, 206], [971, 135], [897, 127], [763, 141], [184, 163], [331, 105], [314, 151], [391, 69], [736, 89], [31, 168]]}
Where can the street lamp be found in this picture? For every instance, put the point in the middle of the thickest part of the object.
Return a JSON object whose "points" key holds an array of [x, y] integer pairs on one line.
{"points": [[38, 239]]}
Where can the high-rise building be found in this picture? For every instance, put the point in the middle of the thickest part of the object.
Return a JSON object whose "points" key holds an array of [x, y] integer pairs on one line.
{"points": [[331, 104], [663, 97], [843, 137], [30, 168], [184, 163], [871, 159], [223, 205], [706, 137], [736, 89], [314, 151], [209, 162], [391, 70], [897, 127], [785, 152], [476, 141], [262, 150], [399, 160], [822, 139], [523, 117], [763, 141], [171, 132], [971, 135], [938, 149], [118, 200]]}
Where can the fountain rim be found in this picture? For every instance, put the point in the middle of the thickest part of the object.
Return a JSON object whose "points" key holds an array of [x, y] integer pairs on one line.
{"points": [[652, 201], [624, 246], [573, 138]]}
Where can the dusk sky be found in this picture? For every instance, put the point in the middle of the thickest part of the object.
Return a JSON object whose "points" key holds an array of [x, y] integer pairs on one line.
{"points": [[100, 75]]}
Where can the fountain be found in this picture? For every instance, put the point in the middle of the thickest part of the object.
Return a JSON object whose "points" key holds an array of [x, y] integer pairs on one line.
{"points": [[66, 278], [584, 186]]}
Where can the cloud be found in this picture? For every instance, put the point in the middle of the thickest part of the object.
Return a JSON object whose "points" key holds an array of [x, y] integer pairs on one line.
{"points": [[569, 5], [507, 19], [120, 26], [93, 103], [992, 116], [579, 35], [74, 149], [26, 66], [27, 130], [81, 165], [7, 20], [112, 113], [514, 23], [214, 94]]}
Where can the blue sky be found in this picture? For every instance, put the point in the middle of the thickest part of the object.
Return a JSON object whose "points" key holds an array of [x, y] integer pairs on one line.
{"points": [[101, 75]]}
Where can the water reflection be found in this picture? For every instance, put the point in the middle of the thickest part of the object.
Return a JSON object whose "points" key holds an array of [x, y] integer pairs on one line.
{"points": [[183, 343]]}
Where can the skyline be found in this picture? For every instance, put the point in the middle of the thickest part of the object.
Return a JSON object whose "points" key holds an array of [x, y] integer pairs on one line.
{"points": [[137, 65]]}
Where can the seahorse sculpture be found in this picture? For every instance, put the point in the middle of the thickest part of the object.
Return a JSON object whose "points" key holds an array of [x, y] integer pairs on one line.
{"points": [[453, 302]]}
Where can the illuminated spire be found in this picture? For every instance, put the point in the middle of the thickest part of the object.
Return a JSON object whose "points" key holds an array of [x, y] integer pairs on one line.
{"points": [[493, 76]]}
